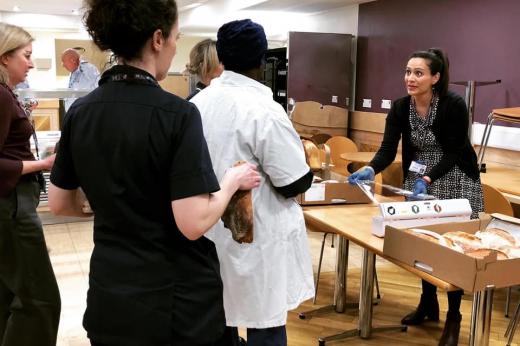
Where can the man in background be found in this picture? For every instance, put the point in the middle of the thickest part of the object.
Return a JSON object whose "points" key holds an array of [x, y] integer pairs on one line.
{"points": [[83, 75]]}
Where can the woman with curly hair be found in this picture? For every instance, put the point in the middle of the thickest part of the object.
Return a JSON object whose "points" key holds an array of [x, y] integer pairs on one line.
{"points": [[139, 154]]}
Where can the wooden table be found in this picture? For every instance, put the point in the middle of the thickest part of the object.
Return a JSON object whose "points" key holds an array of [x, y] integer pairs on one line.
{"points": [[354, 223], [505, 178]]}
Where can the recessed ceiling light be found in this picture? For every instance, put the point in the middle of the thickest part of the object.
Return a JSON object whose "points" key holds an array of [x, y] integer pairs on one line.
{"points": [[16, 8]]}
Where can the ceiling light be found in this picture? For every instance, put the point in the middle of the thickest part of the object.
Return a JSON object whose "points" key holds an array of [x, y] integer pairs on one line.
{"points": [[16, 8], [75, 12]]}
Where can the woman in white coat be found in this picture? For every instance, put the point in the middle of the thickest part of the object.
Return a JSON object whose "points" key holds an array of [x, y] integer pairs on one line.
{"points": [[272, 275]]}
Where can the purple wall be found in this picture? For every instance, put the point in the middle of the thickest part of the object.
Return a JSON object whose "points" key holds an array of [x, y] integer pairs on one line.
{"points": [[481, 38]]}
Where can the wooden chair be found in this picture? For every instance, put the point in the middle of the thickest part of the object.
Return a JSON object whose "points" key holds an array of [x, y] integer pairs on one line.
{"points": [[510, 115], [496, 202], [312, 155], [320, 138], [339, 145]]}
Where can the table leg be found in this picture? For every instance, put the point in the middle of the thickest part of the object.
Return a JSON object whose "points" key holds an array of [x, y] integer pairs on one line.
{"points": [[481, 317], [366, 292], [340, 285]]}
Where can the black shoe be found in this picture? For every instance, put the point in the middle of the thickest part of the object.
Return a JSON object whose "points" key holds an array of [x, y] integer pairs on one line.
{"points": [[242, 341], [428, 309], [450, 334]]}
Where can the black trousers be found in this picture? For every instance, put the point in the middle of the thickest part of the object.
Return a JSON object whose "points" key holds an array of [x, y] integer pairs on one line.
{"points": [[29, 295], [454, 297], [275, 336], [230, 338]]}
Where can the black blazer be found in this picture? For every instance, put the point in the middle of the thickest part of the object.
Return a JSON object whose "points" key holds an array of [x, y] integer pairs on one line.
{"points": [[451, 131]]}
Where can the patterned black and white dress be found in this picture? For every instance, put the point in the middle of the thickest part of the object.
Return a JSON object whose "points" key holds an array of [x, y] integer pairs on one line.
{"points": [[455, 183]]}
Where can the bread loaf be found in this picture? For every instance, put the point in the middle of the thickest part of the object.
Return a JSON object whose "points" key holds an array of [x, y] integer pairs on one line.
{"points": [[434, 237], [425, 234], [496, 237], [466, 241], [238, 216], [511, 251]]}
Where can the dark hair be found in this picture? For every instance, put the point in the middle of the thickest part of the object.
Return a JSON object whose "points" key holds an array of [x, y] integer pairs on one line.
{"points": [[124, 26], [438, 63]]}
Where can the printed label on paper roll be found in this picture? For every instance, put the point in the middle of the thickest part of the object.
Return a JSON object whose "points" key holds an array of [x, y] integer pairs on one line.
{"points": [[315, 193]]}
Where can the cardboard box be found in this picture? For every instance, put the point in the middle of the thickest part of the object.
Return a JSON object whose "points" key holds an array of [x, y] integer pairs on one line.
{"points": [[310, 118], [333, 193], [466, 272]]}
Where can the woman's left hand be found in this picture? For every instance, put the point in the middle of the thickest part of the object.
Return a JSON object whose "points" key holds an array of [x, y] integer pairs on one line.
{"points": [[420, 187]]}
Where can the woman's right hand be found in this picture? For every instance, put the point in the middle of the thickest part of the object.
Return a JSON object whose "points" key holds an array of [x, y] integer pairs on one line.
{"points": [[364, 173], [244, 176], [48, 162]]}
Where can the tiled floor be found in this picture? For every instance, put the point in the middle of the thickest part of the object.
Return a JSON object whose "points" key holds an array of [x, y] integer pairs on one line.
{"points": [[70, 247]]}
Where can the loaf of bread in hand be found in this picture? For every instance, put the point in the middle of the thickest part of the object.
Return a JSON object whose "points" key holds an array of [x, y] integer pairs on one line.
{"points": [[238, 216]]}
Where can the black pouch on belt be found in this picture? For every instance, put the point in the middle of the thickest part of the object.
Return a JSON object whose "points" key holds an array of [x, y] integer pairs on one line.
{"points": [[41, 182]]}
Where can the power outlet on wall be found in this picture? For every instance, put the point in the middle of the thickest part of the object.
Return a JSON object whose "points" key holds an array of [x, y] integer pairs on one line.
{"points": [[386, 104], [367, 103], [334, 99]]}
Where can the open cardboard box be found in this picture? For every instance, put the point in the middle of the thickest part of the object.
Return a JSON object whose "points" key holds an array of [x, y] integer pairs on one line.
{"points": [[332, 188], [333, 193], [466, 272]]}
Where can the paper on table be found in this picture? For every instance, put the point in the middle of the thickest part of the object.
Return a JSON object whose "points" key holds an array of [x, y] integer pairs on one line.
{"points": [[315, 193]]}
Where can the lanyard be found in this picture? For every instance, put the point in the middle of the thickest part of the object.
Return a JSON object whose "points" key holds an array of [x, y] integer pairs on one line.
{"points": [[26, 108], [132, 77]]}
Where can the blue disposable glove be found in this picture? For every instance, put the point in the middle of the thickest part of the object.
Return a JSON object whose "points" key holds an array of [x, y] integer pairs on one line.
{"points": [[420, 187], [364, 173]]}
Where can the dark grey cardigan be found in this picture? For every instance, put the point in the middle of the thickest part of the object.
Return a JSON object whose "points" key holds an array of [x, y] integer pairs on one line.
{"points": [[451, 131]]}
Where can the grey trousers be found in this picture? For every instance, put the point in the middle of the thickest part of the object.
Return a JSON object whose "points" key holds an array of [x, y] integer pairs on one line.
{"points": [[29, 295]]}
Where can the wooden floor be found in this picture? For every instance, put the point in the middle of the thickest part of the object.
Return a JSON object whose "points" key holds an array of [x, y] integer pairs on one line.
{"points": [[71, 246], [400, 293]]}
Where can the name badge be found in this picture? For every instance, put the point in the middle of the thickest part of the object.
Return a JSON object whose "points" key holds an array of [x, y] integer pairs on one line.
{"points": [[417, 167]]}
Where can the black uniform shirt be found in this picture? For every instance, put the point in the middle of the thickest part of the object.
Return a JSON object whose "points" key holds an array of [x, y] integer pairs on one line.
{"points": [[133, 148]]}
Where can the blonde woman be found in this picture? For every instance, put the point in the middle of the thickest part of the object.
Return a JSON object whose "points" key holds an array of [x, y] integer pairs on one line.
{"points": [[204, 63], [29, 296]]}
